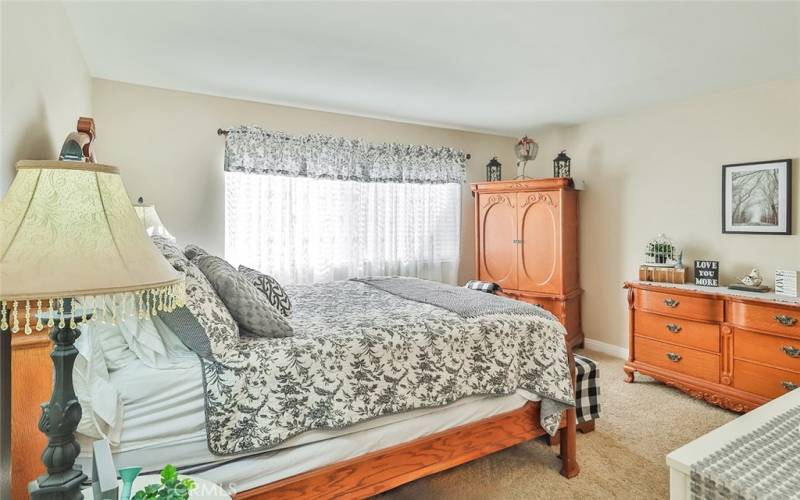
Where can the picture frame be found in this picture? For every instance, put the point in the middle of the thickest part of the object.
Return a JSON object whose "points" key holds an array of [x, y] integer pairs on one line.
{"points": [[757, 197]]}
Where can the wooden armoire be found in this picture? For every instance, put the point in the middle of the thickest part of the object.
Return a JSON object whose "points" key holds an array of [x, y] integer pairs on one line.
{"points": [[527, 242]]}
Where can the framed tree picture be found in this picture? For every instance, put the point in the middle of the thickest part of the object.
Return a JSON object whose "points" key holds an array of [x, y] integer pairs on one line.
{"points": [[757, 197]]}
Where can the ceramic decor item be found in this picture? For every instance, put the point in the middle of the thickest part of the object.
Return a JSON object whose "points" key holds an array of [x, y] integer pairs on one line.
{"points": [[128, 475], [750, 283], [752, 279]]}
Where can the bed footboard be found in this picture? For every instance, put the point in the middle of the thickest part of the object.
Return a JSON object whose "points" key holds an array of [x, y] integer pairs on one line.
{"points": [[383, 470]]}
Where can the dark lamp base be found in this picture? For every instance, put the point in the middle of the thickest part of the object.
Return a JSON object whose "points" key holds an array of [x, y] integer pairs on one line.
{"points": [[60, 418], [63, 486]]}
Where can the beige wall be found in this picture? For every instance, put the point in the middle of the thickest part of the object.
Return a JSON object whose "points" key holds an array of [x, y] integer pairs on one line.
{"points": [[45, 88], [167, 146], [45, 83], [659, 170]]}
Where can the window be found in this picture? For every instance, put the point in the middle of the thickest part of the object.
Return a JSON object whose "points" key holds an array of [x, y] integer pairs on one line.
{"points": [[306, 230], [315, 208]]}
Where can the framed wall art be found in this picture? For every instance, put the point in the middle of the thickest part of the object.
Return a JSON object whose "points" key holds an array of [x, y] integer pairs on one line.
{"points": [[757, 197]]}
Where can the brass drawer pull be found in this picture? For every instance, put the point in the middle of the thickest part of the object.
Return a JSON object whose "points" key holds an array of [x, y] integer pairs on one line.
{"points": [[786, 320], [789, 386], [674, 328], [671, 303], [674, 357], [791, 351]]}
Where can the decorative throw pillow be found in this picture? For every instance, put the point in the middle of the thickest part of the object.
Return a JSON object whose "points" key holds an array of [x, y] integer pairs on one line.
{"points": [[270, 287], [204, 320], [171, 252], [193, 251], [247, 305], [204, 316]]}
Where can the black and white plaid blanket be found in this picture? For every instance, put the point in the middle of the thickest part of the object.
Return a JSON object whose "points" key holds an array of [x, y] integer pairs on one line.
{"points": [[587, 391]]}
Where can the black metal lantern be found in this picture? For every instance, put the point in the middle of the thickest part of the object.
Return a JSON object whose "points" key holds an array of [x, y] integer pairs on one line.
{"points": [[493, 170], [561, 165]]}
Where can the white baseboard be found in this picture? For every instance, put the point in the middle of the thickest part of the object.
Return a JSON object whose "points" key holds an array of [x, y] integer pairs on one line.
{"points": [[610, 349]]}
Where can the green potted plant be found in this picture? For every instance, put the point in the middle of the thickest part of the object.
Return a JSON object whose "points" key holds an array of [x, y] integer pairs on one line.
{"points": [[171, 487]]}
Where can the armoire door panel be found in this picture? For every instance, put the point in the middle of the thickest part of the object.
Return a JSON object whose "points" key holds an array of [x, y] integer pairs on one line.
{"points": [[498, 227], [539, 250]]}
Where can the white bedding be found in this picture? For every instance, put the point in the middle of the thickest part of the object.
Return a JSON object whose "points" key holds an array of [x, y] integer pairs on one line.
{"points": [[164, 422]]}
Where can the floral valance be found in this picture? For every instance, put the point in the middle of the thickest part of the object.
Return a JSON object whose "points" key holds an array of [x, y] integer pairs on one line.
{"points": [[258, 151]]}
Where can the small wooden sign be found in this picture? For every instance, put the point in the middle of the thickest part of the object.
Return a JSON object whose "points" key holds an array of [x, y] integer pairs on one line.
{"points": [[706, 272]]}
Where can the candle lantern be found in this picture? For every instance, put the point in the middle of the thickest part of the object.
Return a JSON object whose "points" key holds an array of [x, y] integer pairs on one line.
{"points": [[493, 170], [561, 165]]}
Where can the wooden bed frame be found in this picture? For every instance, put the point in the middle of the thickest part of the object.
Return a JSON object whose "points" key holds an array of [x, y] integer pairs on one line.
{"points": [[359, 477]]}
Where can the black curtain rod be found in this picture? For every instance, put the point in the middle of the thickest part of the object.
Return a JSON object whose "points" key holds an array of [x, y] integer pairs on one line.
{"points": [[225, 132]]}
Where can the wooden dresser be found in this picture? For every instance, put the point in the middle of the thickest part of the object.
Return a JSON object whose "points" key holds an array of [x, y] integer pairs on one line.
{"points": [[527, 242], [734, 349]]}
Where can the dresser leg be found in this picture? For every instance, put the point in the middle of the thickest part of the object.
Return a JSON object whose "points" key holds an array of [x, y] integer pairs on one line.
{"points": [[629, 374]]}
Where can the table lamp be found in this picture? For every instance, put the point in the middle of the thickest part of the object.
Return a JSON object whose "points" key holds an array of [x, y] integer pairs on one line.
{"points": [[150, 220], [68, 233]]}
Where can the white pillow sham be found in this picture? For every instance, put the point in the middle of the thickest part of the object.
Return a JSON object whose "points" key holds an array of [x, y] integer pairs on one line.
{"points": [[104, 348]]}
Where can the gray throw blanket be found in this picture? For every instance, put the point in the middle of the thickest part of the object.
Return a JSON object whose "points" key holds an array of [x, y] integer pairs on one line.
{"points": [[465, 302]]}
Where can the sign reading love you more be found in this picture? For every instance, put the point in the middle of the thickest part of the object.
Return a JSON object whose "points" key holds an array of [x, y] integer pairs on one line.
{"points": [[706, 273]]}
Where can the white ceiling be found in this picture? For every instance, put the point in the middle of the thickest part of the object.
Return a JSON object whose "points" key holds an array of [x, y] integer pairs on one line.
{"points": [[505, 68]]}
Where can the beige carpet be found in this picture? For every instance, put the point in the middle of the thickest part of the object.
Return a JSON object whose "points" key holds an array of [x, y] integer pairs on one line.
{"points": [[622, 458]]}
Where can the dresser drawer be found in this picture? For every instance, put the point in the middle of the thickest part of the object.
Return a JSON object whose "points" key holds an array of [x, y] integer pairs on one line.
{"points": [[763, 380], [676, 358], [766, 318], [779, 352], [682, 306], [677, 330]]}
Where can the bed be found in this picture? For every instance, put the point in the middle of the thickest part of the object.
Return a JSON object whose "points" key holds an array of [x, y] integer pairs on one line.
{"points": [[443, 390]]}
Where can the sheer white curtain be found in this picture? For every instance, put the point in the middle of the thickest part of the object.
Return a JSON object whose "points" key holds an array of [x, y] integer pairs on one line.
{"points": [[306, 230]]}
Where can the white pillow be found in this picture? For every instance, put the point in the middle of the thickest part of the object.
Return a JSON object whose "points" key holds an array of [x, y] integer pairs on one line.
{"points": [[101, 402], [144, 340], [112, 343]]}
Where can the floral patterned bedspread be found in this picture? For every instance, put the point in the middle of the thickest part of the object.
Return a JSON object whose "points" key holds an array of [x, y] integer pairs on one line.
{"points": [[360, 353]]}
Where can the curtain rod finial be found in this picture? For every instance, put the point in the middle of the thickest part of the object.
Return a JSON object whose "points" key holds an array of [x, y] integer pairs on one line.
{"points": [[222, 132]]}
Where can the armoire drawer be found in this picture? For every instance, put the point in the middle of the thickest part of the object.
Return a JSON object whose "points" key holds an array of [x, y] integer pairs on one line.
{"points": [[766, 318], [677, 358], [780, 352], [678, 330], [763, 380], [684, 306]]}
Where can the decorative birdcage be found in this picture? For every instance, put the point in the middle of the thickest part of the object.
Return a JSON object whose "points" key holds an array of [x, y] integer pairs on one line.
{"points": [[661, 251], [525, 151]]}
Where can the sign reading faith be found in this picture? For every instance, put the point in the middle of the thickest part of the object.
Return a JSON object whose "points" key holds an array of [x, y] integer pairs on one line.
{"points": [[706, 273]]}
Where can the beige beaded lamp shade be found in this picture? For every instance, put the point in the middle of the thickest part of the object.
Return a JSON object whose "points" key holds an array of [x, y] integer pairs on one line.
{"points": [[68, 231]]}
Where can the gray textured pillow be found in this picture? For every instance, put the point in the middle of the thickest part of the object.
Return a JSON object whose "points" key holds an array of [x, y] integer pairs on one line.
{"points": [[248, 306], [186, 327], [193, 251]]}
